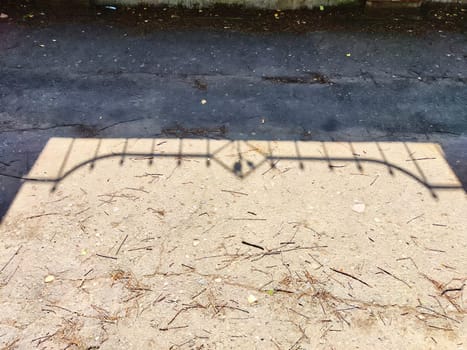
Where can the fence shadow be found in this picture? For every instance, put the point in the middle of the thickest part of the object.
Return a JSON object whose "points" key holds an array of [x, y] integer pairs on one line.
{"points": [[422, 163]]}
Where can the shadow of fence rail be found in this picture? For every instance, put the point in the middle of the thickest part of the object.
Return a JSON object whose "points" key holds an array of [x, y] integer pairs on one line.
{"points": [[240, 162]]}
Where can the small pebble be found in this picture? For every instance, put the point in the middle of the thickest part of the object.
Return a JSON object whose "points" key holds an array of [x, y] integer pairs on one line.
{"points": [[252, 299], [49, 279], [358, 207]]}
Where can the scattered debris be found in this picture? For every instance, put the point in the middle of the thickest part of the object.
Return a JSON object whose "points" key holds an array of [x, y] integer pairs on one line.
{"points": [[198, 290], [160, 212], [415, 218], [395, 277], [106, 256], [351, 276], [253, 245], [12, 257], [447, 290], [121, 244], [235, 192]]}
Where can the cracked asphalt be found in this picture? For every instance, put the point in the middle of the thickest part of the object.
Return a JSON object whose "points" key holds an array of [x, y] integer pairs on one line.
{"points": [[100, 80]]}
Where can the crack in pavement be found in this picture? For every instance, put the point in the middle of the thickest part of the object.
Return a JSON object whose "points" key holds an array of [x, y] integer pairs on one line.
{"points": [[309, 77], [86, 129]]}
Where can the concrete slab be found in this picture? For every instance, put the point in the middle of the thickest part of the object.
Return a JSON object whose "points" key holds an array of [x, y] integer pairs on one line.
{"points": [[163, 243]]}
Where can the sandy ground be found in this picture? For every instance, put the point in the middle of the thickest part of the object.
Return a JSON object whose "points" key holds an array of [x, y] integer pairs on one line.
{"points": [[213, 244]]}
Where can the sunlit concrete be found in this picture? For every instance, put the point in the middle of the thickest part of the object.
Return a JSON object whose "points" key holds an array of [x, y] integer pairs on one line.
{"points": [[378, 228]]}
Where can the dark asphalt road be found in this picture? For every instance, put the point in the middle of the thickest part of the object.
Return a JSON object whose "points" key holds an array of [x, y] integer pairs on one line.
{"points": [[85, 80]]}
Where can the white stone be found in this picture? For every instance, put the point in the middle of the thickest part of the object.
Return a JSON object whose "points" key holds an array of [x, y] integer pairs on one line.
{"points": [[358, 207]]}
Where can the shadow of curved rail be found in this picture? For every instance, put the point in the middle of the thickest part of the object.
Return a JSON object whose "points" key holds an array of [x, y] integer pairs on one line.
{"points": [[420, 178]]}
